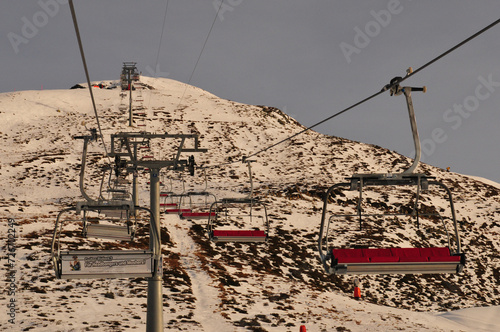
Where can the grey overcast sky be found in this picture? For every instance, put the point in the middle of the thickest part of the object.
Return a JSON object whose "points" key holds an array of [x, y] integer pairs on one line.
{"points": [[308, 58]]}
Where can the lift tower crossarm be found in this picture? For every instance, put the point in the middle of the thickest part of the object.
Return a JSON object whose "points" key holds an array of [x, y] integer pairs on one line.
{"points": [[131, 138], [146, 135]]}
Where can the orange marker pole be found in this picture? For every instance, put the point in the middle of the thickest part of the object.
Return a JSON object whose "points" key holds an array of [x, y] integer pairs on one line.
{"points": [[357, 290]]}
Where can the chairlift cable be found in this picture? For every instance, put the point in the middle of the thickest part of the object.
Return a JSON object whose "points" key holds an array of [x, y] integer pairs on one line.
{"points": [[318, 123], [158, 53], [161, 37], [387, 87], [77, 30], [155, 74], [199, 56], [452, 49], [300, 132]]}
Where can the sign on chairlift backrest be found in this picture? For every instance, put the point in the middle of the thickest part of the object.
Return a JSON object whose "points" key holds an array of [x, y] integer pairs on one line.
{"points": [[106, 263]]}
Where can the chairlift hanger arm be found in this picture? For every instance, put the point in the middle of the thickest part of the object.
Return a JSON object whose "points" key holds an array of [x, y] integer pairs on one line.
{"points": [[196, 145], [396, 90], [250, 195], [133, 157], [57, 228], [179, 150], [104, 171], [191, 165], [322, 255], [116, 151], [86, 140], [56, 237]]}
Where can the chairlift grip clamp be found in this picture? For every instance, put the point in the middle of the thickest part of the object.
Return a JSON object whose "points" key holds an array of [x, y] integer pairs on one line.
{"points": [[92, 137], [396, 89], [246, 160]]}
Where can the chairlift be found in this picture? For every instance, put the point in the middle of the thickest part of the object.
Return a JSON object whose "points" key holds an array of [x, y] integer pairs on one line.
{"points": [[118, 186], [88, 264], [230, 211], [198, 202], [356, 260], [171, 198], [119, 208], [115, 212]]}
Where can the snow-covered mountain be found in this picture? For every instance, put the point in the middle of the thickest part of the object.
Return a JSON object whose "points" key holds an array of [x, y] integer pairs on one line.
{"points": [[276, 286]]}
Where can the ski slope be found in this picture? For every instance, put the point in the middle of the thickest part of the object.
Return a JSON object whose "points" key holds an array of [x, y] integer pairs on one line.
{"points": [[277, 286]]}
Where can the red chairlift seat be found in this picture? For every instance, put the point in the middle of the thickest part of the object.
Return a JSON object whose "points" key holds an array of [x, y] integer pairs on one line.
{"points": [[173, 207], [177, 211], [198, 209], [396, 260], [250, 206], [169, 204], [197, 215], [238, 236], [390, 260]]}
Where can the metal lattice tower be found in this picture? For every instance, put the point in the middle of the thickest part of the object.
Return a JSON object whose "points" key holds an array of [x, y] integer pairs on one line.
{"points": [[129, 74]]}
